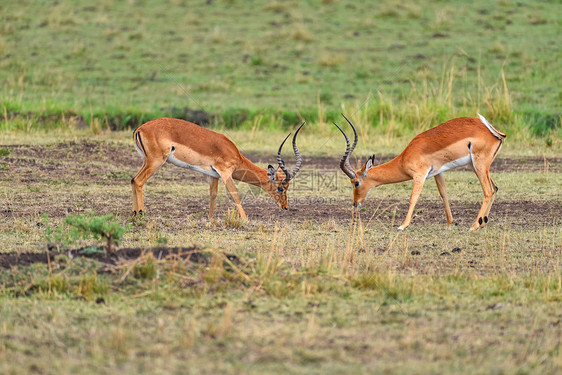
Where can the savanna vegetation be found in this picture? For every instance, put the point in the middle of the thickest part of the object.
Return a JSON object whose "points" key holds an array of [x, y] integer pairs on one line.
{"points": [[316, 289]]}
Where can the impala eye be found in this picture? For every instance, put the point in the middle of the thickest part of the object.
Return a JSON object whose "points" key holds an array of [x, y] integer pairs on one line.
{"points": [[356, 183], [280, 189]]}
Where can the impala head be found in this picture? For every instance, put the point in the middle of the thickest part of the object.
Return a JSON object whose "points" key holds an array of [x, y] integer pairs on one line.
{"points": [[361, 185], [280, 177]]}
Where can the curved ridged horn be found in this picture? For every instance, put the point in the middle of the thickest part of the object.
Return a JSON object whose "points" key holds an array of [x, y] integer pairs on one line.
{"points": [[344, 163], [290, 175]]}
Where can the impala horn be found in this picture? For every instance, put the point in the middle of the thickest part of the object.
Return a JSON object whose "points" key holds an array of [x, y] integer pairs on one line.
{"points": [[344, 163], [290, 175]]}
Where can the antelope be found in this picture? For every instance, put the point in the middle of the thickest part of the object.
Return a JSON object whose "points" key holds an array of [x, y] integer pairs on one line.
{"points": [[457, 142], [188, 145]]}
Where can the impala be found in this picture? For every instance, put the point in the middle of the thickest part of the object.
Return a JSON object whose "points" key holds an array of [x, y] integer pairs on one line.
{"points": [[457, 142], [188, 145]]}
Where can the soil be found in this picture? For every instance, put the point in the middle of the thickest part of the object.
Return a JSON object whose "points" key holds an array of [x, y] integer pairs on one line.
{"points": [[112, 164], [42, 171], [191, 254], [83, 159], [517, 214]]}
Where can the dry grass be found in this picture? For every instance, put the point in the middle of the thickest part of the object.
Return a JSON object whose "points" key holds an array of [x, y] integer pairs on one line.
{"points": [[311, 289], [331, 60]]}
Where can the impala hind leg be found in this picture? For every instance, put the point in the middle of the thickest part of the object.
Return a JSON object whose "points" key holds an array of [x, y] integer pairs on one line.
{"points": [[494, 187], [148, 169], [416, 191], [443, 192], [135, 200], [229, 183], [483, 175], [214, 186], [495, 190]]}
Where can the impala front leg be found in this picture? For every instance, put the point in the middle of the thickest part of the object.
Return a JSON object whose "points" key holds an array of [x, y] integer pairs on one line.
{"points": [[229, 183], [416, 191]]}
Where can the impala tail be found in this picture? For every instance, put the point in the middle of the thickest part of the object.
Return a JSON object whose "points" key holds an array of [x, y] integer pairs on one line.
{"points": [[499, 135]]}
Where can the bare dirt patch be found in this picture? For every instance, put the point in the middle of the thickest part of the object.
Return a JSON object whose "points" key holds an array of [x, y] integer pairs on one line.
{"points": [[519, 214], [191, 254], [87, 161]]}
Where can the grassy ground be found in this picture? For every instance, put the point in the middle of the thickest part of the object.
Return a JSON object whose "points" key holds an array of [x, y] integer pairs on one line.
{"points": [[121, 63], [312, 289], [308, 291]]}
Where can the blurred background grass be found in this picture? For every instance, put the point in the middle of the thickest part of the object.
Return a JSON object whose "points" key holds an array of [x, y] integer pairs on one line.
{"points": [[405, 67]]}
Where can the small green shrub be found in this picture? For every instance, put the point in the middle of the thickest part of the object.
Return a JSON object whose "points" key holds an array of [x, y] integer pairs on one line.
{"points": [[99, 227], [76, 227], [257, 60]]}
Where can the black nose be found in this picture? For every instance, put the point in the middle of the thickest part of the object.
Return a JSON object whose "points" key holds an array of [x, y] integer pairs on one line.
{"points": [[286, 208]]}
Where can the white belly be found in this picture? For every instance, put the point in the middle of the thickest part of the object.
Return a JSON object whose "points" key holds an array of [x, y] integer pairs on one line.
{"points": [[210, 172], [465, 160]]}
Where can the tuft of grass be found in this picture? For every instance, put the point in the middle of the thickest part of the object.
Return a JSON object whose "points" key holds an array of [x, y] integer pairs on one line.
{"points": [[145, 269], [217, 36], [91, 285], [331, 60], [301, 33], [233, 219]]}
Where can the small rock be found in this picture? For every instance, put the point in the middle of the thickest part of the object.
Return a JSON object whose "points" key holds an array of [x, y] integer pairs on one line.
{"points": [[416, 252], [495, 306], [445, 253], [456, 250]]}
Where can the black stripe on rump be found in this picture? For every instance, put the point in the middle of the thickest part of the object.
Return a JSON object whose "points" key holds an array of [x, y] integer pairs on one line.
{"points": [[498, 149], [137, 141], [141, 144]]}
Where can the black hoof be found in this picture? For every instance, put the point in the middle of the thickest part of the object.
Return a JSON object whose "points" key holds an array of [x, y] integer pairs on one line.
{"points": [[141, 212], [480, 220], [134, 213], [485, 219]]}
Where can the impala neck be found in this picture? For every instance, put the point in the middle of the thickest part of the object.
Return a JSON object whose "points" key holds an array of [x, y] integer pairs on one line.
{"points": [[388, 173], [250, 173]]}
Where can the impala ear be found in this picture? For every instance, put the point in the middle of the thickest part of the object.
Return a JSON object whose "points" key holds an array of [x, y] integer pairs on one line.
{"points": [[271, 173], [368, 165]]}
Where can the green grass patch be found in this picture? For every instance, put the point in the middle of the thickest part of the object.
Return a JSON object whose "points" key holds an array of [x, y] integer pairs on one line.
{"points": [[121, 66]]}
